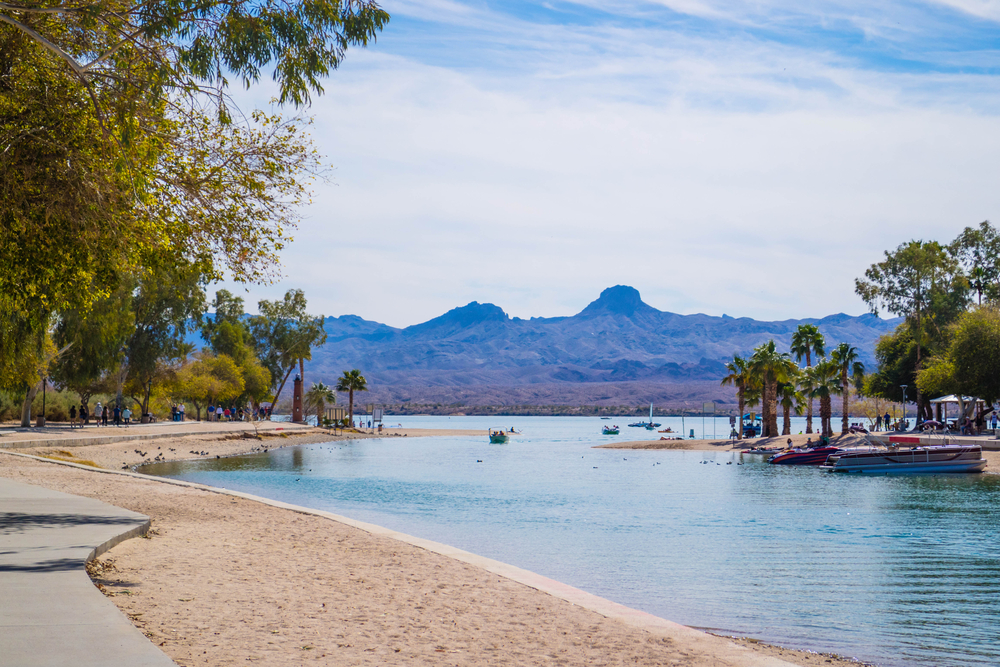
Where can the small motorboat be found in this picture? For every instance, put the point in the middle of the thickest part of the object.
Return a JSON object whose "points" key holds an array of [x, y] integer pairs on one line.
{"points": [[498, 437], [666, 430], [610, 430], [920, 459], [650, 425], [812, 456], [605, 417]]}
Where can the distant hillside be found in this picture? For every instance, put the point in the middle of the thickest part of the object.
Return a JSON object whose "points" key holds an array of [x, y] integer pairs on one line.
{"points": [[616, 351]]}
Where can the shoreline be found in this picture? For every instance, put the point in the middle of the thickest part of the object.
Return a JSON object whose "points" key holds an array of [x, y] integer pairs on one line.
{"points": [[130, 558]]}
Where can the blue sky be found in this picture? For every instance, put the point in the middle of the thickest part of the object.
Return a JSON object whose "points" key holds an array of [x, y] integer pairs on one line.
{"points": [[748, 158]]}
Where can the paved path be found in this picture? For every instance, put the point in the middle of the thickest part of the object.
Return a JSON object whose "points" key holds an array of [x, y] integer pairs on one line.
{"points": [[51, 614], [12, 437]]}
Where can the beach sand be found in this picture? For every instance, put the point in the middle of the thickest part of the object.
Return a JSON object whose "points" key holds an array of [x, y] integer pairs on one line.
{"points": [[223, 580]]}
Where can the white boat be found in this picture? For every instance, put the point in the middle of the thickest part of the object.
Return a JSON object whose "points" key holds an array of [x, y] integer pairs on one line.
{"points": [[650, 425], [921, 459]]}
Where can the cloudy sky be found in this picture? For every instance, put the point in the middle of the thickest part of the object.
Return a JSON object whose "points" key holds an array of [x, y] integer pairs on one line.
{"points": [[747, 158]]}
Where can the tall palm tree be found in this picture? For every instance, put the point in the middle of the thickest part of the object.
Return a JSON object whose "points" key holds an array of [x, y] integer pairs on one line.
{"points": [[317, 397], [351, 382], [771, 367], [805, 341], [739, 377], [791, 399], [848, 362], [824, 382]]}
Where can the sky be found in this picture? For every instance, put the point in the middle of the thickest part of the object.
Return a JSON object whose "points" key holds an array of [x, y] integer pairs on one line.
{"points": [[740, 158]]}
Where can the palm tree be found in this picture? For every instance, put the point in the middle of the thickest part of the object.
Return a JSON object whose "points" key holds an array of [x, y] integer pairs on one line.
{"points": [[791, 399], [771, 367], [824, 381], [351, 382], [741, 378], [317, 397], [846, 358], [806, 340]]}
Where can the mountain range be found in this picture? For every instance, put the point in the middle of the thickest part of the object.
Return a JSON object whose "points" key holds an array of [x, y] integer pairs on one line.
{"points": [[616, 351]]}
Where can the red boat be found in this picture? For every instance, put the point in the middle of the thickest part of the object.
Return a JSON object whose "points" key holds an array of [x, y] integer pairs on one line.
{"points": [[803, 457]]}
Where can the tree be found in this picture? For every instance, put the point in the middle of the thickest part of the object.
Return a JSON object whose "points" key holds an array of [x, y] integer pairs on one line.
{"points": [[352, 381], [94, 339], [791, 399], [805, 341], [284, 334], [977, 249], [208, 379], [168, 299], [823, 378], [317, 397], [771, 367], [848, 362], [740, 377], [971, 364], [918, 280]]}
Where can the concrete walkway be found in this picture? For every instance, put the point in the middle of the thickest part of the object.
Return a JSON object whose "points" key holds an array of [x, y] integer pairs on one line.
{"points": [[51, 614], [14, 437]]}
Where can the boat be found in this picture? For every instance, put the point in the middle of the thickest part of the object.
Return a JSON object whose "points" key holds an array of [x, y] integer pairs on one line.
{"points": [[666, 430], [920, 459], [610, 430], [498, 437], [605, 417], [812, 456], [650, 425]]}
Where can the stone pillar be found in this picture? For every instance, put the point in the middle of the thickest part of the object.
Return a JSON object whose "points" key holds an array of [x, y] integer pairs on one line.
{"points": [[297, 400]]}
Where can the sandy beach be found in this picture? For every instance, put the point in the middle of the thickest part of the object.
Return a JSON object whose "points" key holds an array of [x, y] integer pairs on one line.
{"points": [[223, 580]]}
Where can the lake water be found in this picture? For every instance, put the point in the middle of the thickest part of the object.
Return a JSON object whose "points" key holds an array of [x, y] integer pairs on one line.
{"points": [[899, 570]]}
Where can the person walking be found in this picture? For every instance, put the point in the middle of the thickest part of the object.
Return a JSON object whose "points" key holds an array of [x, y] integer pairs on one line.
{"points": [[72, 416], [117, 415], [181, 410], [84, 416], [885, 421], [97, 413], [106, 416], [878, 423], [127, 415]]}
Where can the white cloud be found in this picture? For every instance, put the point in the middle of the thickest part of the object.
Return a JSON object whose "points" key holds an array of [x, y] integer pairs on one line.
{"points": [[735, 176]]}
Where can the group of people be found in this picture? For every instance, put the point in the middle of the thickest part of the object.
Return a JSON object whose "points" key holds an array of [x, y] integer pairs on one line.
{"points": [[239, 414], [176, 412], [116, 415]]}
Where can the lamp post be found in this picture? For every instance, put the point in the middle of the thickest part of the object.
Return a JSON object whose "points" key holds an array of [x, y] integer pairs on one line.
{"points": [[45, 380], [904, 386]]}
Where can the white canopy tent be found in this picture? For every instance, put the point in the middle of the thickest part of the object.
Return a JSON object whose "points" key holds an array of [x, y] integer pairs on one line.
{"points": [[967, 406]]}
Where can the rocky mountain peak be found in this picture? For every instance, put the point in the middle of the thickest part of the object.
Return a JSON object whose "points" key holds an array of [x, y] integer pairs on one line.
{"points": [[618, 300]]}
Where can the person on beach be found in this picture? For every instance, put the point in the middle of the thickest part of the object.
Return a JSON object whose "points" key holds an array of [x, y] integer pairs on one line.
{"points": [[173, 412], [127, 416], [180, 408], [885, 421], [72, 416], [210, 412], [84, 416], [97, 413], [117, 415], [878, 423]]}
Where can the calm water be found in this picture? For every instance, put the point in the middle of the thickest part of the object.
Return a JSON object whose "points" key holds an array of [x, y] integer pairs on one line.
{"points": [[901, 570]]}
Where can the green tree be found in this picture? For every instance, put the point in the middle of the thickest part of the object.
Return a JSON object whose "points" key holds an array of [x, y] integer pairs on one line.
{"points": [[284, 334], [971, 364], [918, 281], [317, 397], [771, 367], [806, 341], [352, 381], [978, 251], [823, 380], [791, 399], [168, 299], [208, 379], [739, 376], [849, 363]]}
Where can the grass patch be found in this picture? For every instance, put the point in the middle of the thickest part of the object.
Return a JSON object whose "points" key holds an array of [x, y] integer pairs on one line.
{"points": [[72, 459]]}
